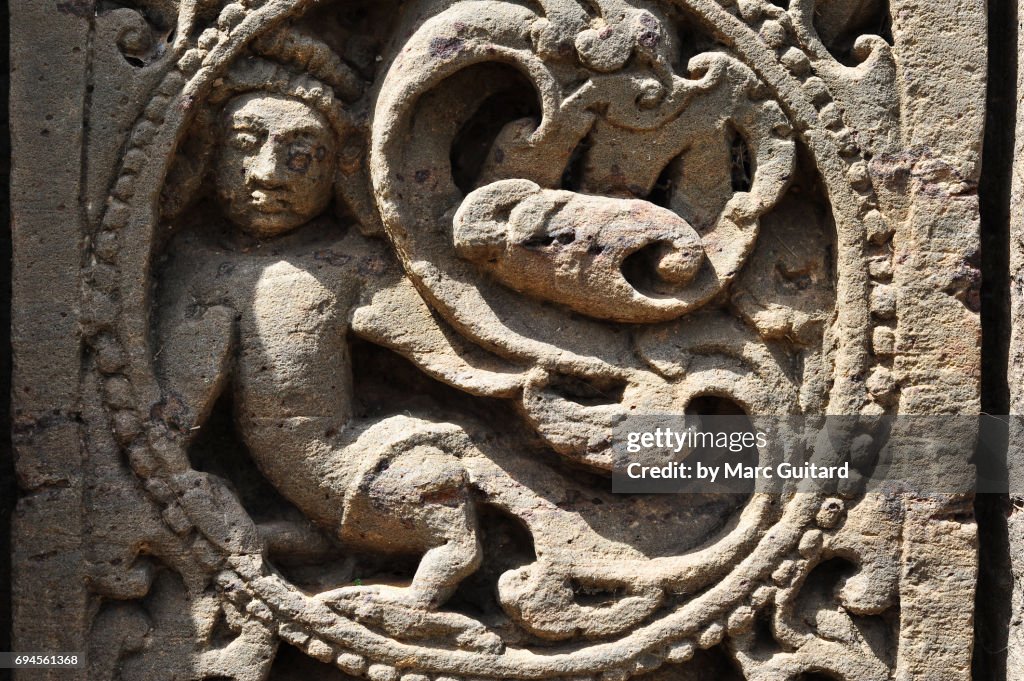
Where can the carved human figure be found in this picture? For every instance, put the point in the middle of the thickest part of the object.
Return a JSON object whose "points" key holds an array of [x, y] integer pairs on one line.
{"points": [[267, 298], [638, 239]]}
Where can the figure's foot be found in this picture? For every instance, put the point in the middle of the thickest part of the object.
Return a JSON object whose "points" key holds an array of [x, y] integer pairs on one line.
{"points": [[349, 599], [539, 598], [406, 615]]}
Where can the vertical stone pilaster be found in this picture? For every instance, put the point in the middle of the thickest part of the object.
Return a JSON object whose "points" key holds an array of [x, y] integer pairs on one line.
{"points": [[49, 92]]}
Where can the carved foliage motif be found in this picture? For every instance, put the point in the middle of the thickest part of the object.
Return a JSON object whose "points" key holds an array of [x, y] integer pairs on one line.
{"points": [[362, 313]]}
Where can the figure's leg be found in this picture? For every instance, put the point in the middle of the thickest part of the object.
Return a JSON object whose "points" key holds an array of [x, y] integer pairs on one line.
{"points": [[443, 567], [416, 501], [428, 492]]}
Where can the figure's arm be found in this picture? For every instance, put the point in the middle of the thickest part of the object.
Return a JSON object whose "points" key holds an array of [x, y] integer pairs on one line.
{"points": [[194, 345], [293, 387], [393, 315]]}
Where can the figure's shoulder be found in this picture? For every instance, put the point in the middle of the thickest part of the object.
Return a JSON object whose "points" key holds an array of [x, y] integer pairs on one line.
{"points": [[352, 254], [198, 262], [194, 243]]}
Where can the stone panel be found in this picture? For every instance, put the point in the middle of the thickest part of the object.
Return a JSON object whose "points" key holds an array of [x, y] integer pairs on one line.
{"points": [[326, 312]]}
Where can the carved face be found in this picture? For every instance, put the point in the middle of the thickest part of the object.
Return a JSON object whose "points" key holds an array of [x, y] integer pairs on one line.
{"points": [[275, 165]]}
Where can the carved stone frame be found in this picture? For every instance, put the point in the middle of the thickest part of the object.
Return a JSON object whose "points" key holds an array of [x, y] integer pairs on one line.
{"points": [[84, 386]]}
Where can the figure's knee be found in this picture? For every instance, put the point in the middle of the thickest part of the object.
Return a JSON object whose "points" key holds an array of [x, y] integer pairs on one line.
{"points": [[395, 435], [422, 475], [414, 500]]}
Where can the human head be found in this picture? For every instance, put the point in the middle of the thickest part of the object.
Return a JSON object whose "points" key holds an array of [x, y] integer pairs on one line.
{"points": [[275, 164]]}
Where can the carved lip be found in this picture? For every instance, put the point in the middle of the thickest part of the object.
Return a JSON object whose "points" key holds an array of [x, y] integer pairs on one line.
{"points": [[269, 202]]}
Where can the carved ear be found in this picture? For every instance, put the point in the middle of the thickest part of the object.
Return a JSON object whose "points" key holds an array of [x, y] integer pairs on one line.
{"points": [[352, 184]]}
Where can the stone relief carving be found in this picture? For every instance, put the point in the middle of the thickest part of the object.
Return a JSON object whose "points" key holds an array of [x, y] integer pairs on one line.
{"points": [[372, 286]]}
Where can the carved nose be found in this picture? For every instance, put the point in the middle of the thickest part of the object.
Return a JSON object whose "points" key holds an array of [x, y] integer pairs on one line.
{"points": [[266, 169]]}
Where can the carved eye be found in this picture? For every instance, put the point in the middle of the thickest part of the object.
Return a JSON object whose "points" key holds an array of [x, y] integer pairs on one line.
{"points": [[304, 144], [299, 158], [301, 147]]}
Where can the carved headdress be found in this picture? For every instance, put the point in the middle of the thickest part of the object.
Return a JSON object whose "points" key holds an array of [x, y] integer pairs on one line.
{"points": [[294, 64]]}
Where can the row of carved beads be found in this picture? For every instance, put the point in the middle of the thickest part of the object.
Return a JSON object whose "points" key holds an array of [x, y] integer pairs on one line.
{"points": [[774, 26], [739, 618]]}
